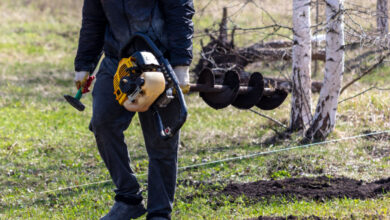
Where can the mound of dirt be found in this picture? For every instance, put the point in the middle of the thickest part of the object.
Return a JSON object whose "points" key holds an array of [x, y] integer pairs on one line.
{"points": [[319, 188], [312, 217], [290, 217]]}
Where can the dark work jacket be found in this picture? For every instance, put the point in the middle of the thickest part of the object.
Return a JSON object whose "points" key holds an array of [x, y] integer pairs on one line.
{"points": [[108, 24]]}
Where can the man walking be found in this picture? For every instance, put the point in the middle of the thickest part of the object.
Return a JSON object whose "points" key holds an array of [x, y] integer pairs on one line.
{"points": [[107, 25]]}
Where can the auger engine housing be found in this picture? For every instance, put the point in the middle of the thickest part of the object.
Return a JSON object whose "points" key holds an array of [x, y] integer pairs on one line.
{"points": [[145, 80], [138, 81]]}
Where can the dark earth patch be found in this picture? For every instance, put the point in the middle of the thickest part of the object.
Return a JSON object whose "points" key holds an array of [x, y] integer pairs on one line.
{"points": [[378, 137], [312, 217], [318, 188], [290, 217]]}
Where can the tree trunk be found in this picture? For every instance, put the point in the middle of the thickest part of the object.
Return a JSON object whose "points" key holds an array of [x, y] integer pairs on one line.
{"points": [[301, 116], [325, 115], [316, 36], [382, 17]]}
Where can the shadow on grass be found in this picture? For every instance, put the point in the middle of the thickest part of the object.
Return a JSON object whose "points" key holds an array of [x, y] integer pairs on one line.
{"points": [[51, 198]]}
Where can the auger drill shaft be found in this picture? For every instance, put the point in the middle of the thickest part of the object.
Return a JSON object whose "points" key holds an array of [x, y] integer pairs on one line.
{"points": [[221, 88]]}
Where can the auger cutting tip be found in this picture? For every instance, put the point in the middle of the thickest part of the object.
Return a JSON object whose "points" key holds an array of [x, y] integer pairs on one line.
{"points": [[272, 101]]}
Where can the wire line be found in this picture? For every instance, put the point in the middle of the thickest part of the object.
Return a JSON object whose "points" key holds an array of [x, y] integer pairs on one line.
{"points": [[228, 159]]}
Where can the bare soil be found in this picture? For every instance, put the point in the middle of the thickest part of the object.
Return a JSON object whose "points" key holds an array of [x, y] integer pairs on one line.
{"points": [[318, 188], [290, 217], [380, 137], [312, 217]]}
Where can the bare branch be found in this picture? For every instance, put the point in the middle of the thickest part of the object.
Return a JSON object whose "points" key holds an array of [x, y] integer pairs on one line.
{"points": [[363, 92], [269, 118], [368, 71]]}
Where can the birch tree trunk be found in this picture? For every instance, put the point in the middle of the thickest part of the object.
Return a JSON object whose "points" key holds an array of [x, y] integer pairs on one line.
{"points": [[301, 76], [382, 17], [325, 115]]}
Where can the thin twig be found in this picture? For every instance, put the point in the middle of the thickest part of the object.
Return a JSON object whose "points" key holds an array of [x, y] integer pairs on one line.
{"points": [[269, 118], [369, 70], [365, 91], [359, 94]]}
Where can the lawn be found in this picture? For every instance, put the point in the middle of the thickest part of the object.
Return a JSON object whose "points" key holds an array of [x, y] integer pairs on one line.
{"points": [[45, 144]]}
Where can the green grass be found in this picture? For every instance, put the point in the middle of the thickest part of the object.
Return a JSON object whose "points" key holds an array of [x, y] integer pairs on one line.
{"points": [[45, 144]]}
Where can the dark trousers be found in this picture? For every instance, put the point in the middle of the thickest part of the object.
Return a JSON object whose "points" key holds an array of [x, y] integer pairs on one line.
{"points": [[108, 123]]}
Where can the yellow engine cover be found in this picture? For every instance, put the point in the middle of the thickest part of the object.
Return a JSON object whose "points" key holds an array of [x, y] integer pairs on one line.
{"points": [[120, 73], [153, 87]]}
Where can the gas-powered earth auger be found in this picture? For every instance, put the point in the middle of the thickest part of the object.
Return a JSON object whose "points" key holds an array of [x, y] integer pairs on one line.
{"points": [[145, 80]]}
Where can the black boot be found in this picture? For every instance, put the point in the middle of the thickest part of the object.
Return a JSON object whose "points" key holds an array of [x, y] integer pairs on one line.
{"points": [[123, 211]]}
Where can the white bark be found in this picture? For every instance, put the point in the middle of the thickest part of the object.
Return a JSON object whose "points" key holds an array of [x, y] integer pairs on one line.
{"points": [[301, 116], [382, 18], [325, 115]]}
